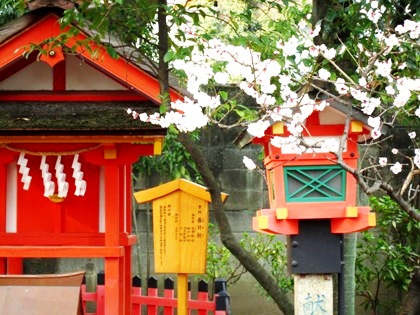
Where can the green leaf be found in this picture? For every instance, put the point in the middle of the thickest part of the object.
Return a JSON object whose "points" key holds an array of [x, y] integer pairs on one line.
{"points": [[169, 56], [111, 51], [224, 95]]}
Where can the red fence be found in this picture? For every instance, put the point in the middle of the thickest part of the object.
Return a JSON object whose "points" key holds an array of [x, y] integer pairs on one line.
{"points": [[153, 304]]}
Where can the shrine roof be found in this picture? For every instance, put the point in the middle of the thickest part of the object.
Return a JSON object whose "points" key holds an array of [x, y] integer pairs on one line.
{"points": [[107, 118], [21, 115]]}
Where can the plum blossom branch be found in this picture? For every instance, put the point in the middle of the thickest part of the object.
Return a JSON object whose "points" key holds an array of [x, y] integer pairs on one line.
{"points": [[383, 86]]}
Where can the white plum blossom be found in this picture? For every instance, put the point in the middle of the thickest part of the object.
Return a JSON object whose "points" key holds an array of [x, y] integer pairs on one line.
{"points": [[408, 84], [374, 13], [316, 30], [384, 68], [405, 87], [390, 90], [412, 134], [383, 161], [358, 94], [170, 118], [394, 151], [303, 68], [133, 113], [396, 168], [249, 89], [370, 105], [290, 47], [374, 122], [417, 112], [402, 98], [188, 116], [221, 78], [281, 113], [330, 53], [291, 142], [249, 164], [320, 106], [295, 127], [340, 86], [391, 41], [154, 118], [324, 74], [265, 100], [330, 145], [411, 27], [257, 129], [314, 51], [362, 82], [236, 69], [143, 117], [305, 54], [205, 100]]}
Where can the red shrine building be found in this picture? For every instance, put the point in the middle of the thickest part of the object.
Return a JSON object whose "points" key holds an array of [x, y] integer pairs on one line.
{"points": [[66, 150]]}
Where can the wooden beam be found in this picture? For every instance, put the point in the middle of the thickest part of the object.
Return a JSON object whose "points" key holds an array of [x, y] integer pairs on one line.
{"points": [[81, 139], [61, 251], [70, 96]]}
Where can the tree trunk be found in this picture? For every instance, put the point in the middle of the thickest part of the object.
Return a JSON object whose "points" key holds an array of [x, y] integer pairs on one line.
{"points": [[228, 239], [411, 302], [226, 235], [163, 72]]}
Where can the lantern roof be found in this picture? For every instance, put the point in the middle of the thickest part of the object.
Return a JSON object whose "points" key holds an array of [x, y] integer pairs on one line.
{"points": [[67, 89], [179, 184], [334, 114]]}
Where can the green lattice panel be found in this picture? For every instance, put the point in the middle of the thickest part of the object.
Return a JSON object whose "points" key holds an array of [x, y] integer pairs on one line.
{"points": [[315, 183]]}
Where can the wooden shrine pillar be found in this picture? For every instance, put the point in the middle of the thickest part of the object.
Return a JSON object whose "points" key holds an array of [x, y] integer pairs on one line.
{"points": [[3, 192], [114, 267], [127, 206], [8, 265], [117, 181]]}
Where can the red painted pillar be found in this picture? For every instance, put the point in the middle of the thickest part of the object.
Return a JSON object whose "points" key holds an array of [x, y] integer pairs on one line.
{"points": [[8, 265], [3, 173], [14, 265], [127, 208], [3, 198], [113, 300]]}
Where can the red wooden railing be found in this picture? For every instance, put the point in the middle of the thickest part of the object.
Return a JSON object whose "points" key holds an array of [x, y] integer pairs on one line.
{"points": [[154, 304]]}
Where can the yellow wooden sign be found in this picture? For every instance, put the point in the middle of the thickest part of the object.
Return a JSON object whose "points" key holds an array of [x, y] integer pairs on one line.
{"points": [[180, 225]]}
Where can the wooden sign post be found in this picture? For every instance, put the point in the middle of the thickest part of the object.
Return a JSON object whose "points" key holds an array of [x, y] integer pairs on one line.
{"points": [[180, 223]]}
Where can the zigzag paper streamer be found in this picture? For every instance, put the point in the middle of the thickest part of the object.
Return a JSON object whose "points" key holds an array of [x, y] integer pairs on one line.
{"points": [[78, 177], [24, 170], [49, 185], [63, 186]]}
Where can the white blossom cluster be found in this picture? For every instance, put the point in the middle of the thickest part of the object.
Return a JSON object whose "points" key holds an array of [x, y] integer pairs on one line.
{"points": [[272, 83]]}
